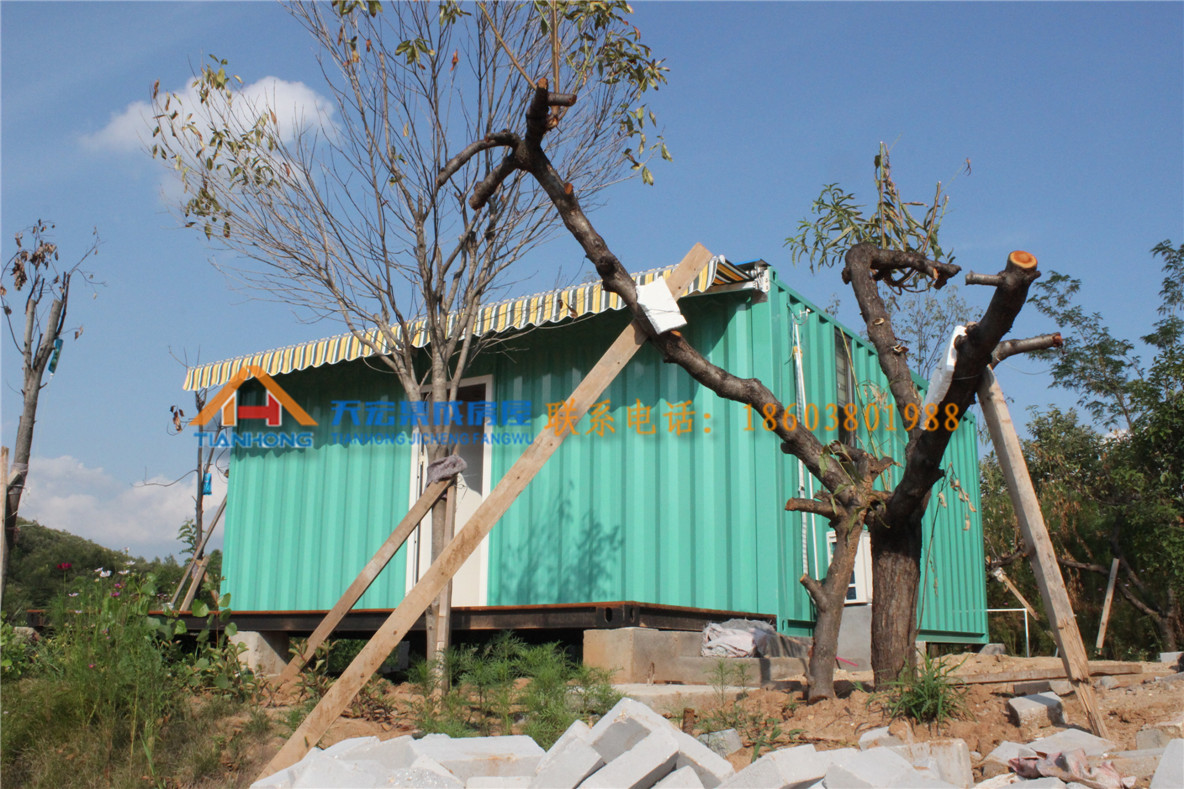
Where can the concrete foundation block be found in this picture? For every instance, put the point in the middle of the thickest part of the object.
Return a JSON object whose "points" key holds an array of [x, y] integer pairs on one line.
{"points": [[649, 761], [1170, 657], [682, 778], [568, 763], [1040, 709], [266, 652], [948, 759], [395, 753], [722, 742], [993, 649], [1072, 740], [1170, 772], [996, 762], [469, 757], [637, 654]]}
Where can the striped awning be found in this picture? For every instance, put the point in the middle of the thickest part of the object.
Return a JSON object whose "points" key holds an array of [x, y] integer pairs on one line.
{"points": [[503, 316]]}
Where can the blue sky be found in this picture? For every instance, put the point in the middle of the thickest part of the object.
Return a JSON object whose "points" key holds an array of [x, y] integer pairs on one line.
{"points": [[1072, 115]]}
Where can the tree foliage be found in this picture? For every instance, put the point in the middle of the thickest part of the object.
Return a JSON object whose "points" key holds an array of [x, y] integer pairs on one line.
{"points": [[1119, 494]]}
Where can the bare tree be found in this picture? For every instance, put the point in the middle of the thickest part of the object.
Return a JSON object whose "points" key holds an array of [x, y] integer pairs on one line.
{"points": [[850, 501], [39, 342], [365, 216]]}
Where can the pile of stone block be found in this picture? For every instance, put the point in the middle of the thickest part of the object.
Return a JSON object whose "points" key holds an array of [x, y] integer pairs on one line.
{"points": [[633, 747]]}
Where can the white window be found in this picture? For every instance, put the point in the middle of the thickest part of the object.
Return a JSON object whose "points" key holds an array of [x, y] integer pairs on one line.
{"points": [[860, 588]]}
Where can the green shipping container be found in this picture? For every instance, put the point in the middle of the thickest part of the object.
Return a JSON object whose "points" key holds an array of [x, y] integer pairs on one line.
{"points": [[666, 494]]}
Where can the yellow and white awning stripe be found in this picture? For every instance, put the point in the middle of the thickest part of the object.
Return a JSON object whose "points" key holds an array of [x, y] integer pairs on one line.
{"points": [[511, 315]]}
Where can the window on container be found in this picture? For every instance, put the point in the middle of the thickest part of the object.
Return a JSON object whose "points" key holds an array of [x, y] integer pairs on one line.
{"points": [[845, 388], [859, 590]]}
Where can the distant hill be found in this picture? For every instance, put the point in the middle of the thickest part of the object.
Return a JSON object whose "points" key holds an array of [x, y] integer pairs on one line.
{"points": [[46, 562]]}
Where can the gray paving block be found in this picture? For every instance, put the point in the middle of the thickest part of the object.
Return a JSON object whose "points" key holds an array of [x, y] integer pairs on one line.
{"points": [[788, 768], [997, 781], [1071, 740], [682, 778], [1061, 687], [1170, 774], [878, 768], [1170, 657], [1040, 709], [418, 778], [711, 768], [641, 767], [996, 761], [467, 757], [948, 759], [566, 764], [1140, 764], [281, 780], [498, 782], [337, 774], [617, 737], [1047, 782], [1177, 677], [722, 742], [877, 737], [345, 746], [1150, 737], [578, 730], [1106, 683], [394, 754]]}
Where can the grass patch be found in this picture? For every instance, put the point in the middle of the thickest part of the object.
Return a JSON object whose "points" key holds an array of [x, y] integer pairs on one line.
{"points": [[923, 693]]}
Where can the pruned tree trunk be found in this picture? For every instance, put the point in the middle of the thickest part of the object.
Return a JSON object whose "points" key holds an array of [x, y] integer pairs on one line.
{"points": [[896, 566], [830, 599]]}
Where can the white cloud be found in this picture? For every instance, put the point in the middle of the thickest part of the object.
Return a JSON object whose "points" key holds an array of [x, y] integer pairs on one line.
{"points": [[63, 493], [296, 106]]}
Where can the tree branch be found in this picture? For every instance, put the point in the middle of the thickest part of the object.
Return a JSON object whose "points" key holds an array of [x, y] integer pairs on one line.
{"points": [[925, 451], [815, 507], [472, 149], [1012, 347]]}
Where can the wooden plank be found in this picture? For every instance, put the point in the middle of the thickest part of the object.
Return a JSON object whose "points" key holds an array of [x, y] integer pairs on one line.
{"points": [[189, 568], [1002, 578], [1106, 604], [1043, 558], [488, 513], [369, 572], [1099, 667], [198, 573]]}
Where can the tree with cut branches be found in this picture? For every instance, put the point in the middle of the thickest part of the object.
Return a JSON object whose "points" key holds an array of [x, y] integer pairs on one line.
{"points": [[363, 214], [851, 499], [34, 270]]}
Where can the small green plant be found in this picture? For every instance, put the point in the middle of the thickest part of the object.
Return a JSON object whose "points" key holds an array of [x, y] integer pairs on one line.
{"points": [[507, 687], [725, 712], [924, 693]]}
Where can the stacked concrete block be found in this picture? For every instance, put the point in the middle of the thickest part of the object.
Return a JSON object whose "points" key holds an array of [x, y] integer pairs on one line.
{"points": [[1071, 740], [1158, 735], [947, 759], [878, 737], [878, 768], [1170, 772], [1038, 709], [996, 762], [724, 742]]}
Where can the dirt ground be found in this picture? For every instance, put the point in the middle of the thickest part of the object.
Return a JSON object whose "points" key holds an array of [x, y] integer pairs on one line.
{"points": [[1136, 700]]}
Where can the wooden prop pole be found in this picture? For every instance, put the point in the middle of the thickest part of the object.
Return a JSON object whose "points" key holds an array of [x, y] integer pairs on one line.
{"points": [[377, 563], [469, 538], [1043, 558], [191, 568], [1002, 578], [1106, 604]]}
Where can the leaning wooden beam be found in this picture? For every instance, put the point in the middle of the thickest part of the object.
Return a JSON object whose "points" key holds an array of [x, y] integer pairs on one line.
{"points": [[1106, 604], [198, 573], [377, 563], [1043, 557], [191, 568], [479, 525], [1002, 578]]}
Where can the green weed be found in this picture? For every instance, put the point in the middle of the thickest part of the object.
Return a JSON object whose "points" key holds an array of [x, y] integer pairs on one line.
{"points": [[924, 693]]}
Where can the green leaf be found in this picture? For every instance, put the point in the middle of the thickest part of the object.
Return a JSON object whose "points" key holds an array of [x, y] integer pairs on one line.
{"points": [[200, 609], [179, 628], [230, 629]]}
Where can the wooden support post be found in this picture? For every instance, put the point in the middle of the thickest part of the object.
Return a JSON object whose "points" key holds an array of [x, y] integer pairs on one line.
{"points": [[198, 573], [1106, 604], [1002, 578], [392, 631], [1043, 558], [366, 577], [191, 567]]}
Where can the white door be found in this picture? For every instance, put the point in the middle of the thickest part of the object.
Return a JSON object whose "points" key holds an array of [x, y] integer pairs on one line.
{"points": [[470, 584]]}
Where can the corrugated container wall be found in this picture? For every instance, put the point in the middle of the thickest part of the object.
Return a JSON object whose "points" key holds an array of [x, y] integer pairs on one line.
{"points": [[685, 509]]}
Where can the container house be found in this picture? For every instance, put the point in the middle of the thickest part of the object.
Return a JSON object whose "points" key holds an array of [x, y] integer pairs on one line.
{"points": [[664, 494]]}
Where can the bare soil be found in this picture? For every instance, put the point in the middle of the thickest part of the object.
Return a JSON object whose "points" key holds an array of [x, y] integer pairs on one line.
{"points": [[1135, 701]]}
